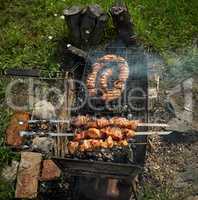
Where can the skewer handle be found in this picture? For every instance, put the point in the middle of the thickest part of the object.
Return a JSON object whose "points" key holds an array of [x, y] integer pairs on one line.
{"points": [[153, 133], [44, 121], [32, 133], [152, 125]]}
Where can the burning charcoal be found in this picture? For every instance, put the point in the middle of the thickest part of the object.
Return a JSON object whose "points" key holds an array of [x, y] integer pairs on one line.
{"points": [[44, 110]]}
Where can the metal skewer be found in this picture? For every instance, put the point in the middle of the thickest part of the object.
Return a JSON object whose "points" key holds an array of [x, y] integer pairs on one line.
{"points": [[32, 133], [152, 125], [68, 121], [45, 121], [153, 133]]}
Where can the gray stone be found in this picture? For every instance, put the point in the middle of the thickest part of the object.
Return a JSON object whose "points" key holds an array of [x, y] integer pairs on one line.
{"points": [[9, 172]]}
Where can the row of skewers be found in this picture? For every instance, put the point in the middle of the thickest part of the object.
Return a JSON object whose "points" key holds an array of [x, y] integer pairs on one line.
{"points": [[91, 133], [96, 133]]}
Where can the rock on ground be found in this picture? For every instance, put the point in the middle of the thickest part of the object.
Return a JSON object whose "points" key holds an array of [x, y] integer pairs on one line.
{"points": [[9, 173], [50, 171], [28, 175]]}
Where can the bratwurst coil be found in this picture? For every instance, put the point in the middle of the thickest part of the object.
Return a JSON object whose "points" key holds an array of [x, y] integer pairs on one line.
{"points": [[91, 80], [108, 94]]}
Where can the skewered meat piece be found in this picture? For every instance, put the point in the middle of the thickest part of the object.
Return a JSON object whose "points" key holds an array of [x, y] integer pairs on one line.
{"points": [[96, 143], [94, 133], [80, 120], [72, 147], [110, 142], [92, 144], [120, 122], [128, 133], [102, 122], [104, 144], [80, 136], [104, 79], [122, 143], [91, 133], [85, 146], [114, 132], [92, 123], [124, 123], [133, 124]]}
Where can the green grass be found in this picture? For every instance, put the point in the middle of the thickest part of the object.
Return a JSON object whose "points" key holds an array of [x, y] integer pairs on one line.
{"points": [[150, 192], [6, 190], [26, 26]]}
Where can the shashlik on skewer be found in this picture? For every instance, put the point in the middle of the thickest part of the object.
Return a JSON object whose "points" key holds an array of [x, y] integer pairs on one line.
{"points": [[58, 134], [82, 120], [92, 144], [88, 122], [114, 132]]}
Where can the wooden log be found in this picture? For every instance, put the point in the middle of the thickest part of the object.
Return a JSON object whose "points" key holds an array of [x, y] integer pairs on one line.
{"points": [[28, 175], [98, 31], [93, 24], [73, 17], [86, 25], [123, 23]]}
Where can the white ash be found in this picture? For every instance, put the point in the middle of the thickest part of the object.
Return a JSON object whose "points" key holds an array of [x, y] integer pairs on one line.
{"points": [[44, 110], [43, 144]]}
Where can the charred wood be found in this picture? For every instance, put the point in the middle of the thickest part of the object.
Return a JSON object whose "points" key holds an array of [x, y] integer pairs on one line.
{"points": [[72, 17], [123, 23], [86, 26]]}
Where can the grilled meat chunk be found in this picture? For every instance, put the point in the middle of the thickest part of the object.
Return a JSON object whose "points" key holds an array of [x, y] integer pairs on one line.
{"points": [[73, 147], [80, 120], [94, 133], [114, 132]]}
